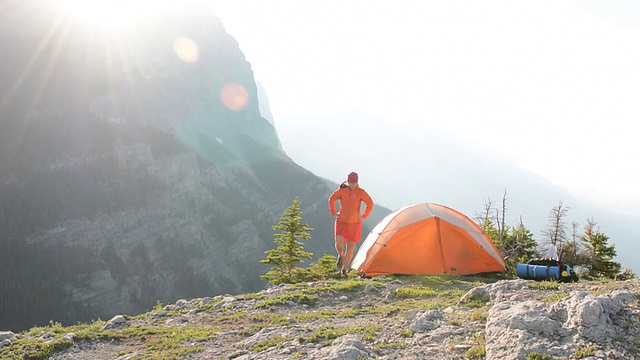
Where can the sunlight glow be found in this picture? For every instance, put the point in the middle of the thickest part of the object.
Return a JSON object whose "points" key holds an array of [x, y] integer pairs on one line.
{"points": [[105, 13], [186, 49], [118, 14]]}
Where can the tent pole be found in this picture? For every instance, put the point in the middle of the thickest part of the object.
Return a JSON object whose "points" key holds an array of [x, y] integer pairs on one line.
{"points": [[439, 234]]}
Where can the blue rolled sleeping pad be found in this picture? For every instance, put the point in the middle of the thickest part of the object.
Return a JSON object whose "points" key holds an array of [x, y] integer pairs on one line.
{"points": [[537, 272]]}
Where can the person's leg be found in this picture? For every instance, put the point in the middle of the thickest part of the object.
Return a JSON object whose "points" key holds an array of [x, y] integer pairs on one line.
{"points": [[340, 249], [350, 245]]}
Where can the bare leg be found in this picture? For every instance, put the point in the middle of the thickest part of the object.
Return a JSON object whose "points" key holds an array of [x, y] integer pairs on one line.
{"points": [[340, 247], [349, 255]]}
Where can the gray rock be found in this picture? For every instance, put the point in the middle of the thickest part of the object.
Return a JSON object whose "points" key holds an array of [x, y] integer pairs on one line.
{"points": [[226, 301], [7, 335], [115, 321], [410, 314], [479, 293], [347, 347], [181, 304], [516, 328], [160, 313], [426, 321]]}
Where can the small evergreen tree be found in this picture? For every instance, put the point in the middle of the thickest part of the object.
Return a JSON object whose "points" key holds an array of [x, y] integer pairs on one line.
{"points": [[600, 263], [519, 243], [290, 250], [322, 269], [574, 255], [492, 232]]}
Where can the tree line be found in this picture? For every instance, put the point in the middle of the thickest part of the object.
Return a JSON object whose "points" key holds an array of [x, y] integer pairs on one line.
{"points": [[588, 251]]}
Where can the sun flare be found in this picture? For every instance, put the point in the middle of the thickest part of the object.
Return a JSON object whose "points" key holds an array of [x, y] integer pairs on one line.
{"points": [[116, 14], [105, 13]]}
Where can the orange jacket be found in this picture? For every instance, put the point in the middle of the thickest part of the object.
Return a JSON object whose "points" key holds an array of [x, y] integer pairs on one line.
{"points": [[350, 202]]}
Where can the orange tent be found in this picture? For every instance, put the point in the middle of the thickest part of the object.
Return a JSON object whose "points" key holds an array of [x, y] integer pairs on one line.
{"points": [[427, 239]]}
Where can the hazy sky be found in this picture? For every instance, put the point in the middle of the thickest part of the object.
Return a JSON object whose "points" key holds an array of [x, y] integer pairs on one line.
{"points": [[554, 85]]}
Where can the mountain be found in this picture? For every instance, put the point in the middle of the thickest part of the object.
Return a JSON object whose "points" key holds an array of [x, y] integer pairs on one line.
{"points": [[135, 167]]}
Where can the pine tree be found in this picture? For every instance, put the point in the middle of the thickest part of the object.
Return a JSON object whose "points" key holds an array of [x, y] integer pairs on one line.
{"points": [[517, 246], [492, 232], [519, 243], [601, 262], [290, 250]]}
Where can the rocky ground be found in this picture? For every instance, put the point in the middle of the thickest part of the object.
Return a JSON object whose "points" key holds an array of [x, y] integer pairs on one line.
{"points": [[353, 319]]}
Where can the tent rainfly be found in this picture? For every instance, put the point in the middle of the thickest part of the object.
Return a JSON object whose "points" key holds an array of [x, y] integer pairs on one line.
{"points": [[427, 239]]}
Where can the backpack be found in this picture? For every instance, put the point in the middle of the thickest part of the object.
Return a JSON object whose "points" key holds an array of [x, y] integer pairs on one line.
{"points": [[546, 269]]}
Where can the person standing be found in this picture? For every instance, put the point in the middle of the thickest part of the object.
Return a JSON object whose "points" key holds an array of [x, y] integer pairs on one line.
{"points": [[348, 223]]}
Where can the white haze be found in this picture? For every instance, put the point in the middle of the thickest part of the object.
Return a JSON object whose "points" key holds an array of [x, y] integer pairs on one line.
{"points": [[540, 93]]}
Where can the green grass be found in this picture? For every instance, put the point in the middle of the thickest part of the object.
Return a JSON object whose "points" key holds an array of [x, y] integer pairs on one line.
{"points": [[477, 351], [298, 297], [231, 316], [208, 307], [475, 302], [406, 333], [544, 285], [251, 296], [584, 352], [555, 297], [336, 286], [167, 342], [537, 356], [170, 342], [445, 280], [307, 317], [275, 342], [158, 341], [29, 345], [416, 291], [479, 315], [329, 333], [33, 349]]}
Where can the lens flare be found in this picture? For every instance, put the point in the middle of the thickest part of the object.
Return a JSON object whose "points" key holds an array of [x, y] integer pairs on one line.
{"points": [[234, 96], [107, 14], [186, 49]]}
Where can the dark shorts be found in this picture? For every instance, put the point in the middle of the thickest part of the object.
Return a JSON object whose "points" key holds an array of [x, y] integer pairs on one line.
{"points": [[350, 232]]}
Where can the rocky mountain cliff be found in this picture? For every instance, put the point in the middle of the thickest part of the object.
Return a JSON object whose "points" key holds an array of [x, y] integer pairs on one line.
{"points": [[438, 317], [135, 167]]}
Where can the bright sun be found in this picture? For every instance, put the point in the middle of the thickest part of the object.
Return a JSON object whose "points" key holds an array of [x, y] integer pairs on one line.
{"points": [[115, 14]]}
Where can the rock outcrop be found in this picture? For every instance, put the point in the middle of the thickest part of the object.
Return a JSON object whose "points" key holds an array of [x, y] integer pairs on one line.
{"points": [[565, 322]]}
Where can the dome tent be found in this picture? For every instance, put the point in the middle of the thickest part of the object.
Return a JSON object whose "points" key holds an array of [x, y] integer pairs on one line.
{"points": [[427, 239]]}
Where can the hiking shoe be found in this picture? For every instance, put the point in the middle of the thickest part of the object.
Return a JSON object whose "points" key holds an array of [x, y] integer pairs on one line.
{"points": [[343, 273], [339, 263]]}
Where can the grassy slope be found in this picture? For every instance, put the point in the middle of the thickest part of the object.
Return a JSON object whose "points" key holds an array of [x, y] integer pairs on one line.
{"points": [[316, 308]]}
